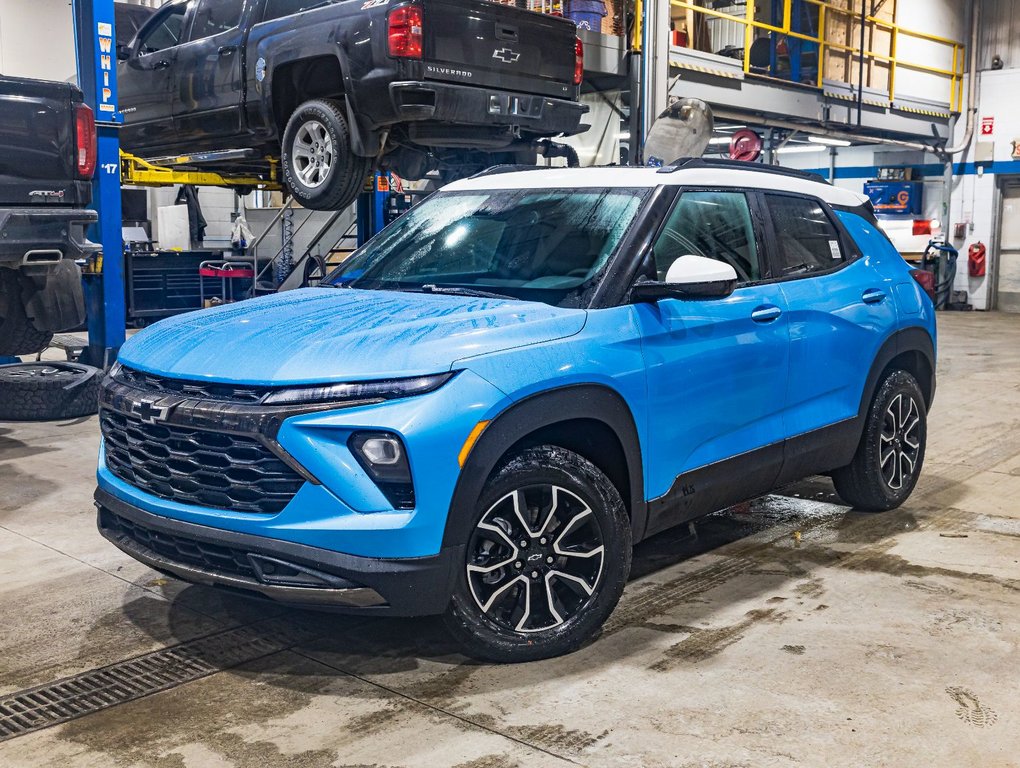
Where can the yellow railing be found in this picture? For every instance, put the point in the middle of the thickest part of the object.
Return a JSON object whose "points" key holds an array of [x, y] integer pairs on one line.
{"points": [[896, 32]]}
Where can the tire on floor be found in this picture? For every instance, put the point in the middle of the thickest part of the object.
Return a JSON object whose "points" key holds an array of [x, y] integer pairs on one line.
{"points": [[48, 391]]}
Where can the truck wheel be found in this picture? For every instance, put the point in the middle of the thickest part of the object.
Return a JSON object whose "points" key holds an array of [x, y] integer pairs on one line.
{"points": [[17, 334], [319, 167], [888, 461], [546, 561], [48, 391]]}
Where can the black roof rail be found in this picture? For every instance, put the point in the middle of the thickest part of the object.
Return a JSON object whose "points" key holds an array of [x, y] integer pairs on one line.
{"points": [[739, 165], [508, 168]]}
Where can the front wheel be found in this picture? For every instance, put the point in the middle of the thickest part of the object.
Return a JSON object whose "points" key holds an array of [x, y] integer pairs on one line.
{"points": [[888, 461], [546, 561], [319, 168]]}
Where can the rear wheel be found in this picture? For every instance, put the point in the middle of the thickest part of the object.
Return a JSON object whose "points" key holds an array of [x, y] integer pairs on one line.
{"points": [[888, 461], [318, 165], [546, 561], [18, 336]]}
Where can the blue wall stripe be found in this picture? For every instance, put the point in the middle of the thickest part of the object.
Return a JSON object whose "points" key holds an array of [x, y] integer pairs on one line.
{"points": [[921, 171]]}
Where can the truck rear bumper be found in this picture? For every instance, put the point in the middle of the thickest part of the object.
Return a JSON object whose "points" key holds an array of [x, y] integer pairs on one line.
{"points": [[461, 105], [40, 236], [289, 573]]}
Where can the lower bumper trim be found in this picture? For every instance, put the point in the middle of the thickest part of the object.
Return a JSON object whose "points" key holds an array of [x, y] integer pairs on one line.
{"points": [[285, 572]]}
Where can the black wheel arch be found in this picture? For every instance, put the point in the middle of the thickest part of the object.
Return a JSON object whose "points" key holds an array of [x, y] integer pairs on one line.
{"points": [[911, 349], [590, 419]]}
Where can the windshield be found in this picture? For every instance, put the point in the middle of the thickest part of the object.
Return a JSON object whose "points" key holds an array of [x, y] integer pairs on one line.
{"points": [[537, 245]]}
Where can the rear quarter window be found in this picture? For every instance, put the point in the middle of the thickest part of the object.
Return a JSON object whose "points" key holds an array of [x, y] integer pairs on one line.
{"points": [[806, 238]]}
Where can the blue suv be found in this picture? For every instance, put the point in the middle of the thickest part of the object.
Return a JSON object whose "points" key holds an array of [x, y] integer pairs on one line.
{"points": [[483, 409]]}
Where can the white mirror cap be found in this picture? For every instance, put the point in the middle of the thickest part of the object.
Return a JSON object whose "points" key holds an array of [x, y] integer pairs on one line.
{"points": [[699, 269]]}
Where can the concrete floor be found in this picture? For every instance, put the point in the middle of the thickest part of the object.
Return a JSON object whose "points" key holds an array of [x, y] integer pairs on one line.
{"points": [[792, 632]]}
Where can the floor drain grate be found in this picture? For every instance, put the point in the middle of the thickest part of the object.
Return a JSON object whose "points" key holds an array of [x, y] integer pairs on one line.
{"points": [[97, 689]]}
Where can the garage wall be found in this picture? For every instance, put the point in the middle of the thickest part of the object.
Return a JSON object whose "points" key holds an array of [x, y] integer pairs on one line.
{"points": [[942, 18], [37, 39]]}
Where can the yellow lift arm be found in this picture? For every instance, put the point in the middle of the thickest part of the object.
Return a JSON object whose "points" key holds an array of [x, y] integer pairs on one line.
{"points": [[143, 173]]}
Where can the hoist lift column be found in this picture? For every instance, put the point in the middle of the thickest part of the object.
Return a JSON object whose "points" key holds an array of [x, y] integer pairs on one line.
{"points": [[96, 50]]}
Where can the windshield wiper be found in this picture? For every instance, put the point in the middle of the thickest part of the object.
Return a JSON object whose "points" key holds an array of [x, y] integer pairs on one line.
{"points": [[456, 290]]}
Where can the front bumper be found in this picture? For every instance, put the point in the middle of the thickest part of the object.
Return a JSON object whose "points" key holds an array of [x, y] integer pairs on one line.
{"points": [[42, 236], [289, 573], [461, 105]]}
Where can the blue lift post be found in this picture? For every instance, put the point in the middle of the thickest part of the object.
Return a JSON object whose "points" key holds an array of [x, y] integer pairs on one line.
{"points": [[371, 208], [96, 49]]}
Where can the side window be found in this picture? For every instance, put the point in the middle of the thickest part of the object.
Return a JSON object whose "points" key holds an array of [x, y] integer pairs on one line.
{"points": [[166, 32], [215, 16], [716, 225], [277, 8], [806, 238]]}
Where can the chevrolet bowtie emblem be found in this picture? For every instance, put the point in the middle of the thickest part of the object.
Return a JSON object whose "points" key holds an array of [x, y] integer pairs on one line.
{"points": [[506, 55], [151, 414]]}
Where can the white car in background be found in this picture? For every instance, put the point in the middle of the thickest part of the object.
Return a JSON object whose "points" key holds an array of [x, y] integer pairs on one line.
{"points": [[910, 235]]}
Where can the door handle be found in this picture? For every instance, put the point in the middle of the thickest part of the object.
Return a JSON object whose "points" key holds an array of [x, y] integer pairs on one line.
{"points": [[766, 313], [873, 296], [226, 50], [161, 64]]}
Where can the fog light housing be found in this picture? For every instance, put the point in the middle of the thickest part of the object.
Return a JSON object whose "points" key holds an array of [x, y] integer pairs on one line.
{"points": [[383, 456]]}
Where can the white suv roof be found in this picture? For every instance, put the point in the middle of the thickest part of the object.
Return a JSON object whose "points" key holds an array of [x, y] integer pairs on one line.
{"points": [[627, 176]]}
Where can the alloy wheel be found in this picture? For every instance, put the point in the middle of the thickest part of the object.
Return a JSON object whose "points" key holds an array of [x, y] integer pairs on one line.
{"points": [[313, 153], [535, 558], [899, 444]]}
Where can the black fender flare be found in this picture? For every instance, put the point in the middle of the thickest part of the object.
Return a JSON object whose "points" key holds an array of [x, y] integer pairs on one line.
{"points": [[912, 339], [584, 401]]}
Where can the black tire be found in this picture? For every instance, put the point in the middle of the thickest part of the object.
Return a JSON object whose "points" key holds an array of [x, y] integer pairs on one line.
{"points": [[491, 612], [890, 456], [314, 270], [17, 334], [48, 391], [319, 168]]}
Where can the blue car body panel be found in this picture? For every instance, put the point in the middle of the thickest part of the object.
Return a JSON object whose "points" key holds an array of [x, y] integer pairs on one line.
{"points": [[705, 381], [314, 335]]}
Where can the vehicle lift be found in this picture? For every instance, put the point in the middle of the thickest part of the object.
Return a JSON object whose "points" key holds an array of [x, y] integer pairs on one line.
{"points": [[103, 274]]}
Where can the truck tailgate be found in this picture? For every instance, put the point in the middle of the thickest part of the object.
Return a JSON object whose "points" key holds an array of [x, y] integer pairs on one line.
{"points": [[37, 140], [475, 42]]}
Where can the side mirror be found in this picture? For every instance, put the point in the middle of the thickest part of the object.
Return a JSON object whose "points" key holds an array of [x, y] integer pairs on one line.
{"points": [[123, 52], [690, 277]]}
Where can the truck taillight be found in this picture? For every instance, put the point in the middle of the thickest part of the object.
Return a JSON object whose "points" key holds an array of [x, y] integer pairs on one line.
{"points": [[85, 141], [922, 227], [578, 61], [926, 280], [405, 31]]}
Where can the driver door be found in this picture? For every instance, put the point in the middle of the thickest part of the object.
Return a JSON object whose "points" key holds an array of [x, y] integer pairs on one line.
{"points": [[717, 368], [144, 79]]}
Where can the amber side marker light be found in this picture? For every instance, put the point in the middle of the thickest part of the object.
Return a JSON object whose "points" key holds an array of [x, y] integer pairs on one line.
{"points": [[465, 450]]}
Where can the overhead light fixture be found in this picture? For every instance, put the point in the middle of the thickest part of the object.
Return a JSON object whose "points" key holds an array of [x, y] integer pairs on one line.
{"points": [[828, 141], [623, 136], [799, 149], [720, 140]]}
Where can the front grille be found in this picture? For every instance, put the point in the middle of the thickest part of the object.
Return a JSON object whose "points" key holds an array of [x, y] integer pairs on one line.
{"points": [[202, 390], [208, 557], [198, 467]]}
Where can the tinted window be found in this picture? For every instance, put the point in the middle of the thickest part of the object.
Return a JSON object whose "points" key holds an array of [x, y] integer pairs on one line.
{"points": [[806, 239], [277, 8], [541, 245], [165, 34], [712, 224], [215, 16]]}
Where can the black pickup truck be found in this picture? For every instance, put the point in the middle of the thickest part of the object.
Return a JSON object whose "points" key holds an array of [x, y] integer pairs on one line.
{"points": [[47, 158], [331, 86]]}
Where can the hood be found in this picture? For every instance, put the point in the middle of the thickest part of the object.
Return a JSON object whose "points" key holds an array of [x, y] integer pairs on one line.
{"points": [[317, 335]]}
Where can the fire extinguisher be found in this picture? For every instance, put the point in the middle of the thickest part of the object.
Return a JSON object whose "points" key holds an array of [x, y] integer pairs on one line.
{"points": [[976, 258]]}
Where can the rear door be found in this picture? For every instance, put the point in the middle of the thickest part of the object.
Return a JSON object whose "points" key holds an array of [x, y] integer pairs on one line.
{"points": [[480, 43], [143, 80], [37, 141], [207, 88], [841, 310], [717, 368]]}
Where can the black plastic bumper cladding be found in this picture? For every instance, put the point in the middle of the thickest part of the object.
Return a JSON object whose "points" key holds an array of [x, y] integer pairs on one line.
{"points": [[468, 105], [289, 573]]}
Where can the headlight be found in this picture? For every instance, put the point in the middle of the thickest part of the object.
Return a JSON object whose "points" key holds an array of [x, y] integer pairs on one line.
{"points": [[372, 391]]}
